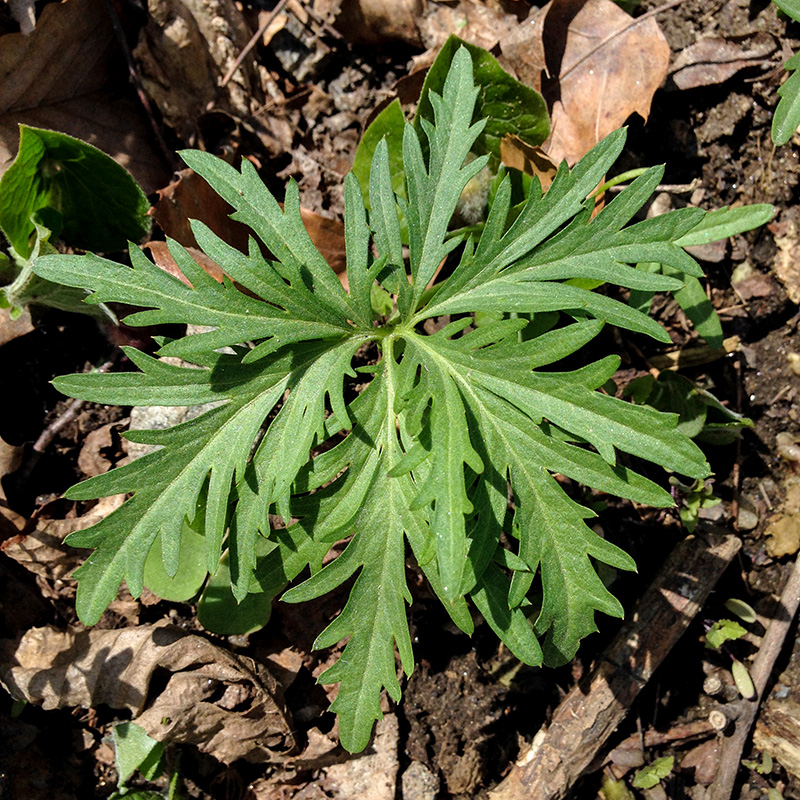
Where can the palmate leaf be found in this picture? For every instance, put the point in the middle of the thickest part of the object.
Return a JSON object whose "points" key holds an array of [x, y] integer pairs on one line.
{"points": [[419, 451]]}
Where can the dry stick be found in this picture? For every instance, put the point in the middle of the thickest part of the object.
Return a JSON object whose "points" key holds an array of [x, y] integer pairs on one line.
{"points": [[168, 154], [771, 646], [632, 24], [49, 433], [591, 712]]}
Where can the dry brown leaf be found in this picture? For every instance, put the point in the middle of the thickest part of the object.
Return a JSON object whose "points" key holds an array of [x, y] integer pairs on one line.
{"points": [[227, 706], [163, 258], [714, 59], [605, 67], [190, 197], [185, 50], [58, 77], [42, 550], [91, 460], [374, 21], [471, 21], [786, 263], [11, 329], [531, 160], [10, 461]]}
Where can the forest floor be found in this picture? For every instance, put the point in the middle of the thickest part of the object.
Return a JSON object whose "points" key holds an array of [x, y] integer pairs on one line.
{"points": [[470, 710]]}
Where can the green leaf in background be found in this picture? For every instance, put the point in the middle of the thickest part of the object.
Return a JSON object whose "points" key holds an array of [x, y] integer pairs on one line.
{"points": [[388, 125], [508, 106], [95, 201], [787, 114], [722, 631], [653, 774], [135, 750], [191, 573]]}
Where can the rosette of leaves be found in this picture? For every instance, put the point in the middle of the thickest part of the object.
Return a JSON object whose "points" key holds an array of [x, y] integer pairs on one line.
{"points": [[417, 450]]}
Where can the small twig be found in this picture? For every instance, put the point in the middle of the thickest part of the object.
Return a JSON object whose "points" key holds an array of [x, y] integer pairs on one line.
{"points": [[632, 24], [279, 6], [771, 646], [671, 188], [168, 154], [51, 431]]}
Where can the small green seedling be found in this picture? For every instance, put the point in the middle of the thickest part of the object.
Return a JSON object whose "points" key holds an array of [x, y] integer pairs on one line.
{"points": [[654, 773], [722, 631], [417, 446], [762, 768], [135, 751]]}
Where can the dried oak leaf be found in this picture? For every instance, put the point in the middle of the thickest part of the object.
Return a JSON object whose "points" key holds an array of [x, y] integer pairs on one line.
{"points": [[604, 66], [11, 329], [714, 59], [62, 77], [229, 707]]}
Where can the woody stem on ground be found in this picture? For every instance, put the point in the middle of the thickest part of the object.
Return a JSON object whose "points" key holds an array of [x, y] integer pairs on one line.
{"points": [[593, 710]]}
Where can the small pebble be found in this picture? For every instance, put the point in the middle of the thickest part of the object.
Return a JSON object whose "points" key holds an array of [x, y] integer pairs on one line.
{"points": [[419, 783]]}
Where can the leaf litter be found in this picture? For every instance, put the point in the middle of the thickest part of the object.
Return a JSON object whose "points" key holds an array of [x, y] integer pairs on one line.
{"points": [[763, 399]]}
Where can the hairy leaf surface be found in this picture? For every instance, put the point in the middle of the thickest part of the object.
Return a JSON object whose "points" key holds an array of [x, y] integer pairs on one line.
{"points": [[425, 431]]}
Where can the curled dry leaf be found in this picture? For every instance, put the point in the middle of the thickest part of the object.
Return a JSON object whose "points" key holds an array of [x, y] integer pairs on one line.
{"points": [[604, 66], [185, 50], [714, 59], [228, 707], [40, 548], [786, 264], [60, 77], [531, 160]]}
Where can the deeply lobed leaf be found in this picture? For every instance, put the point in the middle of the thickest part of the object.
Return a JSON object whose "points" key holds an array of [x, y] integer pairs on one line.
{"points": [[423, 448]]}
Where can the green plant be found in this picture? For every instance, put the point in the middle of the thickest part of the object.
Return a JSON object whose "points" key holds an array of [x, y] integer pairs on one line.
{"points": [[135, 751], [419, 443], [653, 773], [787, 114], [61, 187]]}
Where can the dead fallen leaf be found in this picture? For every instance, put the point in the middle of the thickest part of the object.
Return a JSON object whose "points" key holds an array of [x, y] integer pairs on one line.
{"points": [[40, 548], [786, 263], [523, 49], [531, 160], [783, 535], [476, 23], [703, 761], [60, 77], [11, 329], [374, 21], [91, 460], [227, 706], [714, 59], [190, 197], [163, 258], [10, 460], [604, 65], [185, 50]]}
